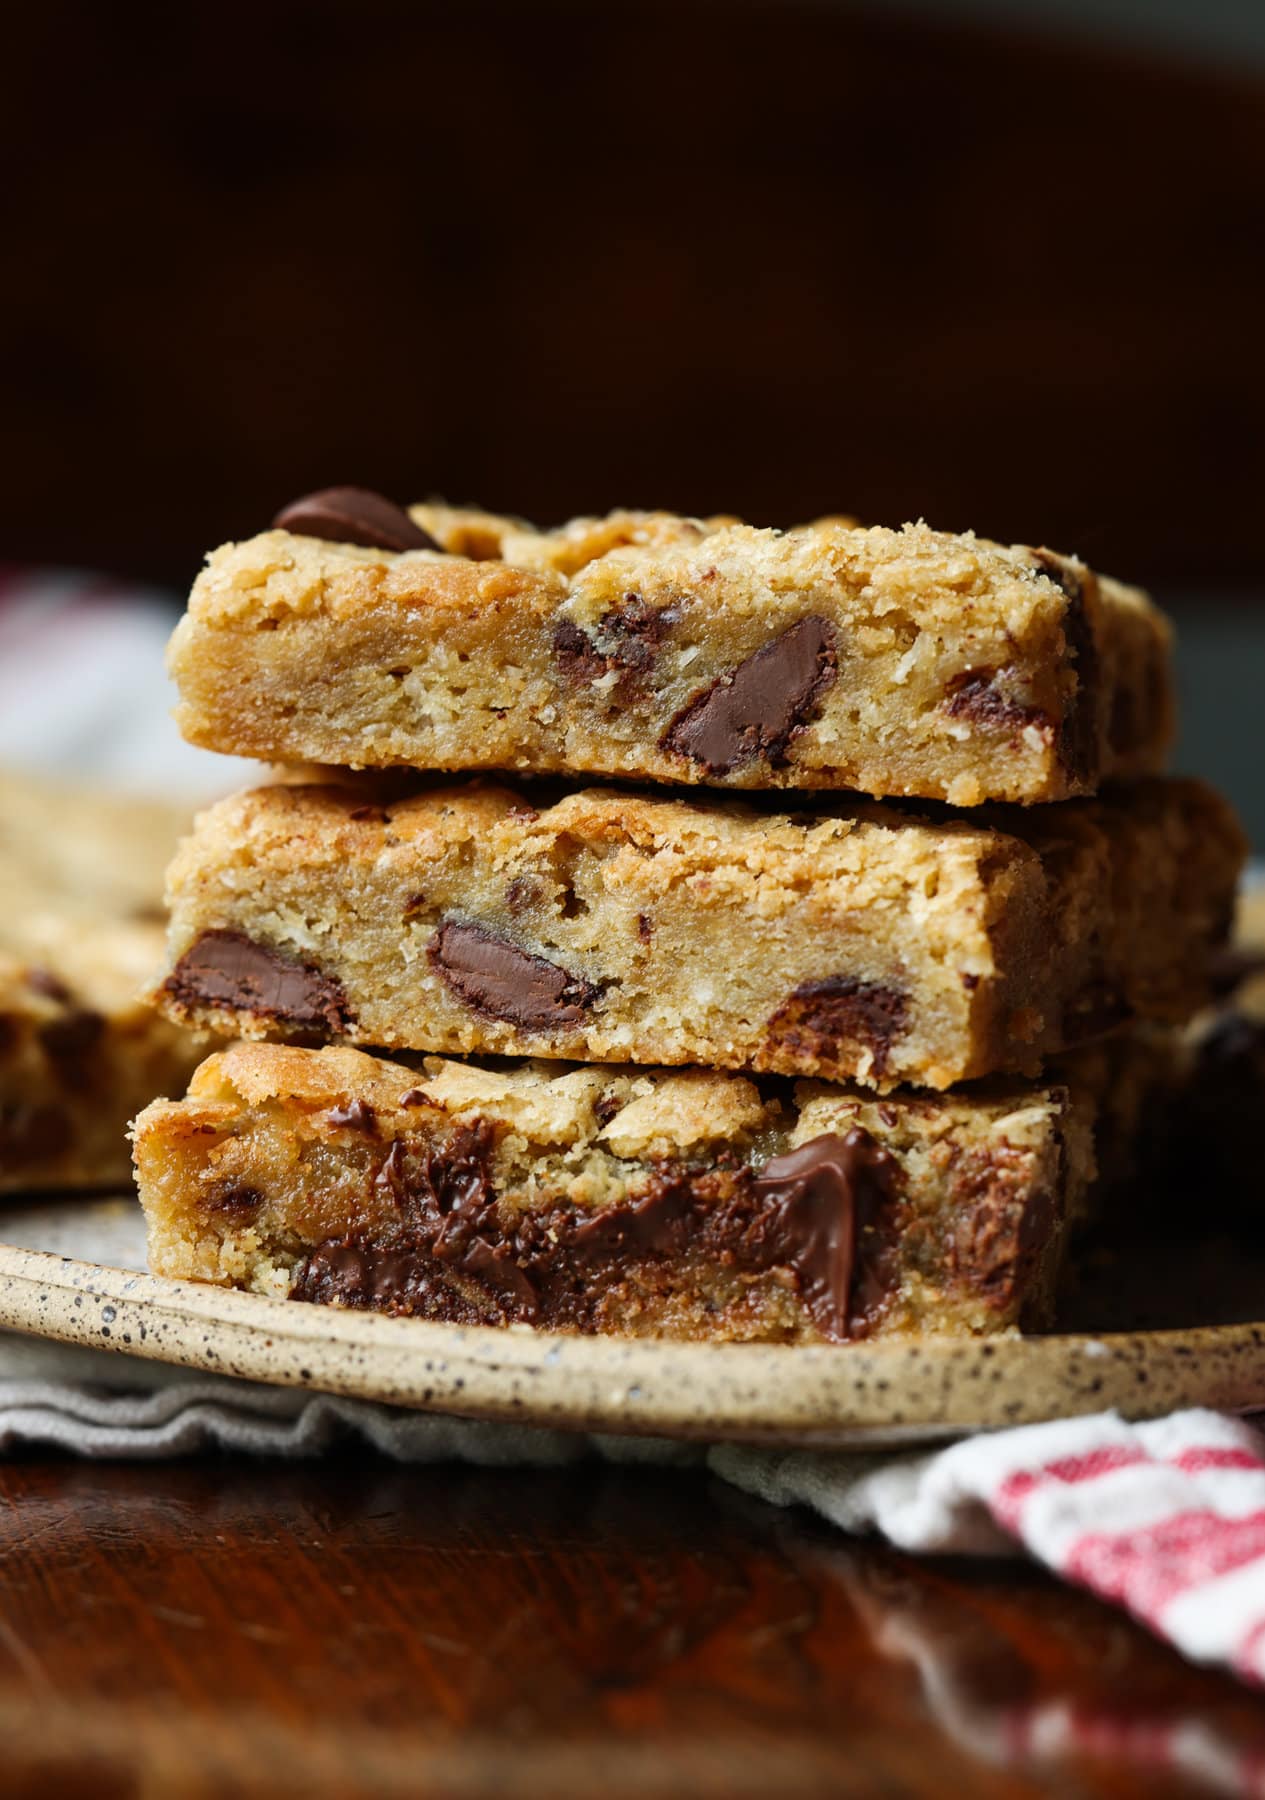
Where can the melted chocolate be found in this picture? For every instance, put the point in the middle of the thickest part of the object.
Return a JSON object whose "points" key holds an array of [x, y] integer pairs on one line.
{"points": [[827, 1022], [33, 1132], [757, 708], [52, 987], [498, 979], [810, 1212], [626, 640], [226, 969], [357, 1115], [977, 695], [998, 1226], [235, 1199], [819, 1199]]}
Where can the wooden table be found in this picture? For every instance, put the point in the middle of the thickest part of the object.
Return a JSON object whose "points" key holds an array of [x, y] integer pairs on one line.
{"points": [[222, 1627]]}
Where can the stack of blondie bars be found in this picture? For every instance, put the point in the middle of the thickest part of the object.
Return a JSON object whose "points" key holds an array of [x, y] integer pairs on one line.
{"points": [[641, 1055]]}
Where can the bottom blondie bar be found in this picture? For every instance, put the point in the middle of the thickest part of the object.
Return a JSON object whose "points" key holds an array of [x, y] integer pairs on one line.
{"points": [[682, 1204]]}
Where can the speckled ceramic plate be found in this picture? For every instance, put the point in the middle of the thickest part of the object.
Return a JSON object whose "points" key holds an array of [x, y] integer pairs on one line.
{"points": [[848, 1395]]}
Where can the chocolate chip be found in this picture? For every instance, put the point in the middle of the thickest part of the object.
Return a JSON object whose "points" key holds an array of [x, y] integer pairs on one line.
{"points": [[227, 969], [348, 1273], [415, 1097], [656, 1224], [496, 978], [495, 1266], [999, 1225], [357, 1115], [33, 1132], [576, 654], [625, 640], [52, 987], [521, 893], [392, 1178], [818, 1200], [818, 1213], [976, 694], [828, 1022], [368, 815], [449, 1225], [352, 515], [645, 927], [69, 1039], [758, 708], [234, 1199]]}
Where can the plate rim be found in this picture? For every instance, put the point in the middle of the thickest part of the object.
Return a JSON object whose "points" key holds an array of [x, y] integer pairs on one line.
{"points": [[815, 1394]]}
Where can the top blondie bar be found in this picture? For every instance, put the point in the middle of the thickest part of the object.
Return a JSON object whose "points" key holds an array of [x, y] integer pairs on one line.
{"points": [[659, 648]]}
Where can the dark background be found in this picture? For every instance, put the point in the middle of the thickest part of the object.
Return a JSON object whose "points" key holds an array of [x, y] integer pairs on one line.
{"points": [[999, 266]]}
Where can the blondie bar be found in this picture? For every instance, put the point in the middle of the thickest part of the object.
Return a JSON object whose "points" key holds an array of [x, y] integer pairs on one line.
{"points": [[80, 937], [659, 648], [80, 1053], [855, 941], [684, 1204]]}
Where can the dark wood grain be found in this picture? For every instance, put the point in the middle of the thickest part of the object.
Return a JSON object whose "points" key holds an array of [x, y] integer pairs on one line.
{"points": [[223, 1628]]}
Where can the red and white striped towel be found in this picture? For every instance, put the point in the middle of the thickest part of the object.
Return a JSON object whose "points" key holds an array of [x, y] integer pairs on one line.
{"points": [[1165, 1518]]}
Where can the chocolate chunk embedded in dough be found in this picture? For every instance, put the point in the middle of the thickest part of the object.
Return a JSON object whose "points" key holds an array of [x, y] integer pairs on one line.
{"points": [[357, 1115], [68, 1039], [757, 708], [235, 1199], [352, 515], [355, 1274], [52, 987], [625, 640], [830, 1021], [32, 1132], [818, 1199], [809, 1212], [227, 969], [980, 694], [496, 978]]}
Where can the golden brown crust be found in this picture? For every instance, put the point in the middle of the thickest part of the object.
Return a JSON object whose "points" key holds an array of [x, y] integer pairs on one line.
{"points": [[949, 667]]}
